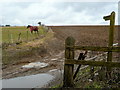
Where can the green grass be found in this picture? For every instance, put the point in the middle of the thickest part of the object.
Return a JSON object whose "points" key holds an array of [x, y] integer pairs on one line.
{"points": [[9, 57], [57, 86], [11, 34], [15, 53], [94, 85]]}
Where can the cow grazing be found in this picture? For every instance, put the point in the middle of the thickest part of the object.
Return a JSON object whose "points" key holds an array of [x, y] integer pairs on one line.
{"points": [[33, 28]]}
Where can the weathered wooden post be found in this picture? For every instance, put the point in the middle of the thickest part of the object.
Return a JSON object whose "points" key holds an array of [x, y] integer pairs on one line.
{"points": [[68, 68], [19, 37], [118, 70], [11, 37], [27, 35], [81, 57], [119, 29], [77, 70], [111, 37]]}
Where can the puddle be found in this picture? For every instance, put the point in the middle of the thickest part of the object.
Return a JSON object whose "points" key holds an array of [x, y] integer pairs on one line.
{"points": [[35, 65], [31, 81], [0, 84]]}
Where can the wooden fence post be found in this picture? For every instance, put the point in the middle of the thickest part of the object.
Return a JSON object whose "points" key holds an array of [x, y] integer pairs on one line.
{"points": [[118, 70], [77, 70], [27, 35], [69, 68], [81, 57], [111, 37], [19, 37], [11, 37]]}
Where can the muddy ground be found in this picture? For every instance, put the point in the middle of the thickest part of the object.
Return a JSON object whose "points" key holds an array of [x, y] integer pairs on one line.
{"points": [[41, 50], [50, 49]]}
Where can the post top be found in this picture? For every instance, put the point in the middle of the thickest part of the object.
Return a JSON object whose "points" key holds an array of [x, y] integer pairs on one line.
{"points": [[109, 16]]}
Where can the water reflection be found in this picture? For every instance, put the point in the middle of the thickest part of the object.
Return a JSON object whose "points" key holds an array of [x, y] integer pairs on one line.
{"points": [[31, 81]]}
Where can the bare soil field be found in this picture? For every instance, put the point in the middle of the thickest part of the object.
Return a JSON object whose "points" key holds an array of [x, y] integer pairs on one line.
{"points": [[85, 35]]}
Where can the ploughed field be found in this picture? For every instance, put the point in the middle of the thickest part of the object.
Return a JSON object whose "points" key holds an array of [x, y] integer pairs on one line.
{"points": [[85, 35]]}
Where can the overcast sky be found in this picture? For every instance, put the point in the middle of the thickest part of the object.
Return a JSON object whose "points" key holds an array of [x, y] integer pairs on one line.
{"points": [[56, 13]]}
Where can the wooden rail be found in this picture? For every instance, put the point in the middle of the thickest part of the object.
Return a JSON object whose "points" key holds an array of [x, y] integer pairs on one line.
{"points": [[92, 72], [93, 48], [93, 63]]}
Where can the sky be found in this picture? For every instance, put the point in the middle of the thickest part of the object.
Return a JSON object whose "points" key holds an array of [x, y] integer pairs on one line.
{"points": [[23, 13]]}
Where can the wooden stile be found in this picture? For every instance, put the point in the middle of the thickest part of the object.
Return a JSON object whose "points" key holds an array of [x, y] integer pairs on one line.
{"points": [[70, 61]]}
